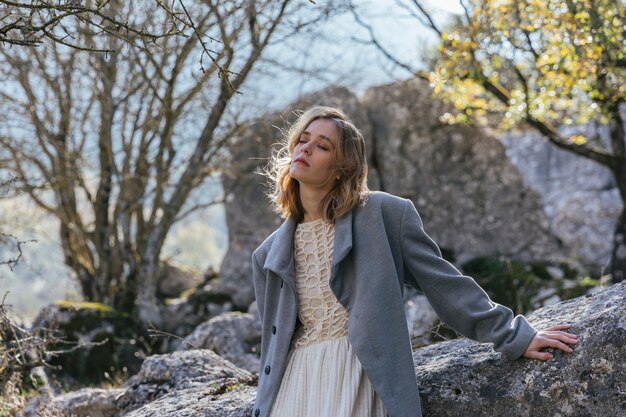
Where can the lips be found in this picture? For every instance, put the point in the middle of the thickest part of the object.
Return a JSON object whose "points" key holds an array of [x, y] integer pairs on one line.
{"points": [[301, 160]]}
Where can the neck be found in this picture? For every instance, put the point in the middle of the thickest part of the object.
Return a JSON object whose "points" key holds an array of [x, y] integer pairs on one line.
{"points": [[310, 199]]}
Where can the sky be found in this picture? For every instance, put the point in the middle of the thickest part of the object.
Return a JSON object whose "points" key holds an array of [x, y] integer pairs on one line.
{"points": [[355, 64]]}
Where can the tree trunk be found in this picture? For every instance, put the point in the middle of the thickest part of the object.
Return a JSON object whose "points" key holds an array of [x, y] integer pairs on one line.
{"points": [[146, 306], [618, 142], [618, 257]]}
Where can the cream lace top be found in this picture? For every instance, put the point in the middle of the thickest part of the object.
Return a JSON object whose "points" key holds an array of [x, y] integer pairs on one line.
{"points": [[321, 315], [323, 376]]}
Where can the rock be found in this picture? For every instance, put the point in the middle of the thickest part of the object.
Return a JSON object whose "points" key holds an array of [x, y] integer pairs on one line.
{"points": [[470, 196], [585, 222], [91, 402], [420, 317], [182, 315], [173, 279], [180, 384], [103, 342], [184, 377], [235, 336], [249, 216], [465, 378], [580, 196], [456, 378], [236, 401]]}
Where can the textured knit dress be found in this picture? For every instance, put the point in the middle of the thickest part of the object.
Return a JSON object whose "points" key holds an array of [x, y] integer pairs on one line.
{"points": [[323, 377]]}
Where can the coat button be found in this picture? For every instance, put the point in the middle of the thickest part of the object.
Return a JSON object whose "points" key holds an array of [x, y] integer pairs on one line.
{"points": [[267, 370], [273, 329], [257, 412]]}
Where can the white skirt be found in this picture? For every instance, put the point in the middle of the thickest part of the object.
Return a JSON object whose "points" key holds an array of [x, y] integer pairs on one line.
{"points": [[326, 379]]}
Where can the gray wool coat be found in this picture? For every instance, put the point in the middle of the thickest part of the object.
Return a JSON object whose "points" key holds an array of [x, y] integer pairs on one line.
{"points": [[379, 246]]}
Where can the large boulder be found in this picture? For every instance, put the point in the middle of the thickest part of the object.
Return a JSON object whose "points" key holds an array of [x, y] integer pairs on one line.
{"points": [[471, 197], [465, 378], [234, 336], [178, 379], [580, 196]]}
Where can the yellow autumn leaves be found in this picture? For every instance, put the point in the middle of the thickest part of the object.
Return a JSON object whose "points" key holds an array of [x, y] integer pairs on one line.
{"points": [[555, 61]]}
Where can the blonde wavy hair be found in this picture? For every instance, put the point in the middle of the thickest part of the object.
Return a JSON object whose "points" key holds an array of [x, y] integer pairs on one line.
{"points": [[350, 164]]}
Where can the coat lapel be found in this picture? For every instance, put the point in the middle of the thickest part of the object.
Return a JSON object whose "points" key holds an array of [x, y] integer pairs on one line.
{"points": [[280, 256], [343, 240]]}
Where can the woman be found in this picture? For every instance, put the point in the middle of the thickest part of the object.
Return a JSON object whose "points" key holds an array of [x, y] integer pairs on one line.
{"points": [[329, 286]]}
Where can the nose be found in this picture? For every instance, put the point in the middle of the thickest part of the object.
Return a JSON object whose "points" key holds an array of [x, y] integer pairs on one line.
{"points": [[305, 148]]}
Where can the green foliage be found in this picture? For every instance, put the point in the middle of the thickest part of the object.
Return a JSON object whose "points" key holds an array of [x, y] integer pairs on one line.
{"points": [[507, 282], [103, 309], [553, 61], [525, 287]]}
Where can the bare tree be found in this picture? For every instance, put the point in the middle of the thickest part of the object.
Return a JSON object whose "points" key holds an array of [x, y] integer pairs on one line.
{"points": [[114, 145], [30, 23]]}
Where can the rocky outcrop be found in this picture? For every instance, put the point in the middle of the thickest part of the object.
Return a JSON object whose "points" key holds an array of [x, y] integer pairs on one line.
{"points": [[465, 378], [196, 382], [471, 198], [235, 336], [456, 378], [580, 196]]}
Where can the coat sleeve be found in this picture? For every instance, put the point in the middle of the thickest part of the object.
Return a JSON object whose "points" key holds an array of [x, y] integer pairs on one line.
{"points": [[457, 299]]}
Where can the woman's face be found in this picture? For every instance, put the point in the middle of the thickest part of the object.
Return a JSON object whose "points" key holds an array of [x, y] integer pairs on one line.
{"points": [[314, 155]]}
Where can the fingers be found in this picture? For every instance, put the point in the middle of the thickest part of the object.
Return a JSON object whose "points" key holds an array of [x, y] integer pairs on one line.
{"points": [[553, 337], [540, 356], [556, 344], [568, 338]]}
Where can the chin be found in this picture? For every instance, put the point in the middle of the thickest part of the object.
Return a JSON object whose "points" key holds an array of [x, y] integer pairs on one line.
{"points": [[293, 173]]}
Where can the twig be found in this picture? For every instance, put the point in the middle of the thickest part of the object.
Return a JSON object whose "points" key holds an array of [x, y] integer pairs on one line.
{"points": [[12, 262]]}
